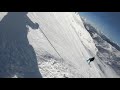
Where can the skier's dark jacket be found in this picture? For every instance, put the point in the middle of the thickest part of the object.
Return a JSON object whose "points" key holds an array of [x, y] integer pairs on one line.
{"points": [[92, 59]]}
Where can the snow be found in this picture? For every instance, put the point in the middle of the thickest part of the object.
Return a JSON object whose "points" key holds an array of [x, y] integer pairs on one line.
{"points": [[107, 56], [67, 34]]}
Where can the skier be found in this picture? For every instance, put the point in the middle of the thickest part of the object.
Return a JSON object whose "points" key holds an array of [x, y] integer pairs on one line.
{"points": [[90, 60]]}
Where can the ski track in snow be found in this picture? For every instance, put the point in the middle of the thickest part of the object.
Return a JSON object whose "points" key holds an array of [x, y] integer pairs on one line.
{"points": [[67, 34]]}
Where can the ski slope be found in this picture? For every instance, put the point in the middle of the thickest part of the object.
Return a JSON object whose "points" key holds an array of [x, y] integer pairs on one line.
{"points": [[61, 46]]}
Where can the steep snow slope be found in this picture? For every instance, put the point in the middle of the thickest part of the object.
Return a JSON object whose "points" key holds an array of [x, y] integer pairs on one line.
{"points": [[108, 51], [58, 28], [58, 48]]}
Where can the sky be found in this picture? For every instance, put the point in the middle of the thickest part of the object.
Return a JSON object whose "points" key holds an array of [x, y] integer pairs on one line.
{"points": [[107, 22]]}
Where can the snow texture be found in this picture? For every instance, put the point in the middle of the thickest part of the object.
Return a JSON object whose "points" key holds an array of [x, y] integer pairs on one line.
{"points": [[48, 45]]}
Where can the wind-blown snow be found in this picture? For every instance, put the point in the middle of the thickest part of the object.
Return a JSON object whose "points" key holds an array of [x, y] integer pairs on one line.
{"points": [[65, 50]]}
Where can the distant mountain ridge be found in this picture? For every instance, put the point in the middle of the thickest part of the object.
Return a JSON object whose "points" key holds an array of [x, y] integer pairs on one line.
{"points": [[94, 30], [108, 51]]}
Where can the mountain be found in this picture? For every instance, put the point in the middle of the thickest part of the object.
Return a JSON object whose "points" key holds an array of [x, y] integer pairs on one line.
{"points": [[108, 51], [49, 45]]}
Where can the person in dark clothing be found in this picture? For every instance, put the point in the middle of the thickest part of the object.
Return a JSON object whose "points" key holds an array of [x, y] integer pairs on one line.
{"points": [[90, 60]]}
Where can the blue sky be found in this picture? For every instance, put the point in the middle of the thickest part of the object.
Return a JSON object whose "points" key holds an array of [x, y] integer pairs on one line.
{"points": [[107, 22]]}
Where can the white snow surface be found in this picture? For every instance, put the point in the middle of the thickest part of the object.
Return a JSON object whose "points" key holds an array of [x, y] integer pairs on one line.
{"points": [[72, 41]]}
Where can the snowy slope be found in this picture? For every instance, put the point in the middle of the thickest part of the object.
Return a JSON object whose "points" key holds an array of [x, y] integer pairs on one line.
{"points": [[108, 51], [59, 48]]}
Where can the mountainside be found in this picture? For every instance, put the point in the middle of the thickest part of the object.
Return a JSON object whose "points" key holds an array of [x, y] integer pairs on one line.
{"points": [[108, 51], [48, 45]]}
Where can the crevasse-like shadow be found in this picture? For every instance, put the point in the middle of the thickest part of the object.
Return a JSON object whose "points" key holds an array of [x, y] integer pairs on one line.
{"points": [[17, 56]]}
